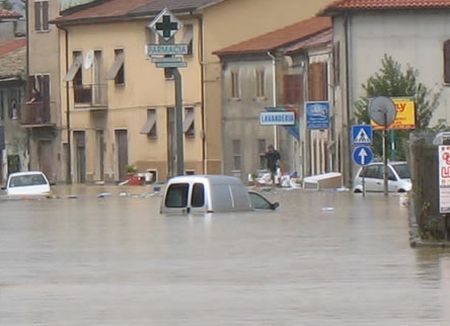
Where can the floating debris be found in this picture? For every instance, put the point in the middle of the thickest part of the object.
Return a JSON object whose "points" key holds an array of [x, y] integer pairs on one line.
{"points": [[103, 195]]}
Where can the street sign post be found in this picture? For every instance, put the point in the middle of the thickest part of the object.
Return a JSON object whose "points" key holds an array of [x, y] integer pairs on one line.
{"points": [[166, 25]]}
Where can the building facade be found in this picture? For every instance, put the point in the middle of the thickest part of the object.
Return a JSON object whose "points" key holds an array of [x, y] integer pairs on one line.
{"points": [[121, 106], [415, 34], [274, 72], [14, 154]]}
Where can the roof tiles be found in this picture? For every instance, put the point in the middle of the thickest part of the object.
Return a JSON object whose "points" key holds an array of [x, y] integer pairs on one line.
{"points": [[12, 45], [112, 9], [9, 14], [281, 37], [343, 5]]}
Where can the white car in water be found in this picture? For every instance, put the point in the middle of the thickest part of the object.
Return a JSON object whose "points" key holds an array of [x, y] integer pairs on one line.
{"points": [[27, 184], [399, 177]]}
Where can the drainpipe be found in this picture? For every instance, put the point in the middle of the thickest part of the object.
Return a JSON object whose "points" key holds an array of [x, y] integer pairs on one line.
{"points": [[27, 28], [274, 96], [202, 81], [69, 137], [347, 143]]}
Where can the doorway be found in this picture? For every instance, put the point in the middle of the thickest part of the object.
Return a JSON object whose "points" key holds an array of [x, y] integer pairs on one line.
{"points": [[45, 154], [122, 153], [80, 155], [100, 155]]}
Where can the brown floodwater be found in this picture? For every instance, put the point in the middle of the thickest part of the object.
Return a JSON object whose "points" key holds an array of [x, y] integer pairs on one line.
{"points": [[322, 258]]}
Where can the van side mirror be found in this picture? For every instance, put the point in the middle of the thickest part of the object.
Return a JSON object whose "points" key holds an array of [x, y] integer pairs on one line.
{"points": [[275, 205], [3, 188]]}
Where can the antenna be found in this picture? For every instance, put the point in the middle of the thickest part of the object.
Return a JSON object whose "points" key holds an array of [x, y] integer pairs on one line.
{"points": [[382, 110], [88, 59]]}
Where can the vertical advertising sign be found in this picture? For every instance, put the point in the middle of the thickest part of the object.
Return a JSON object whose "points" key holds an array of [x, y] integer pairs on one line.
{"points": [[444, 179]]}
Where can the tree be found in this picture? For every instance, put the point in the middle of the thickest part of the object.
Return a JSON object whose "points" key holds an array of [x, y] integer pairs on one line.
{"points": [[7, 5], [390, 81]]}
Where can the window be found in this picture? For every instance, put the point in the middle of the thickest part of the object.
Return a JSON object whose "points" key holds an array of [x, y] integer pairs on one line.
{"points": [[74, 73], [117, 71], [177, 195], [38, 90], [236, 154], [188, 123], [41, 15], [447, 62], [198, 195], [260, 91], [150, 125], [262, 153], [187, 37], [234, 84]]}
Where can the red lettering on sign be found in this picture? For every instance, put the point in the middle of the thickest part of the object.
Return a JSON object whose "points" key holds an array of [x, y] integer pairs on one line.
{"points": [[400, 107], [445, 172]]}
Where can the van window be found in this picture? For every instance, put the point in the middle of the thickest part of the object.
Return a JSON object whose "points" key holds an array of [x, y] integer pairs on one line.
{"points": [[198, 195], [177, 195]]}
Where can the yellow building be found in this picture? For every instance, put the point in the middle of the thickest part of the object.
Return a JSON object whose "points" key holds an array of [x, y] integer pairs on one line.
{"points": [[121, 105]]}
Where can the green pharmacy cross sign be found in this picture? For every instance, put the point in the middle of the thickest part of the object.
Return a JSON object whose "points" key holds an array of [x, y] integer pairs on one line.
{"points": [[166, 24]]}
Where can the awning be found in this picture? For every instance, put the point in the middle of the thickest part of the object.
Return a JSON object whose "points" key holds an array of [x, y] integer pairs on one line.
{"points": [[76, 65], [188, 120], [149, 124], [118, 63]]}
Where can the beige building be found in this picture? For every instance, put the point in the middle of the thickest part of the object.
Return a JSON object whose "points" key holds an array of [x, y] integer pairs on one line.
{"points": [[121, 106]]}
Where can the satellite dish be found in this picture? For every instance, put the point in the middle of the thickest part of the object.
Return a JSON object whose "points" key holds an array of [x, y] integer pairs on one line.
{"points": [[88, 60], [382, 110]]}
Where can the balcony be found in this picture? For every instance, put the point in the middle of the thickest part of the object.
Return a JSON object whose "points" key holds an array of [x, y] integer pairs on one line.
{"points": [[35, 114], [93, 97]]}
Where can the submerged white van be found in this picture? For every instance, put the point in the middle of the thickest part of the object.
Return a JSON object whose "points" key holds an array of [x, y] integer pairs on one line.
{"points": [[210, 193]]}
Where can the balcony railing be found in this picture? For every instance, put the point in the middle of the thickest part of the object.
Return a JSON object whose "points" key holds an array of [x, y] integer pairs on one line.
{"points": [[93, 96], [36, 113]]}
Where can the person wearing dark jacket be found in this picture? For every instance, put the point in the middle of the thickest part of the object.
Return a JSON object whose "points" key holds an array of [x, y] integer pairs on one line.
{"points": [[273, 161]]}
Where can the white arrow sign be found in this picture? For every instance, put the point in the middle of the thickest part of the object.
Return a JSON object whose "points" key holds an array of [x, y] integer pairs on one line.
{"points": [[363, 154]]}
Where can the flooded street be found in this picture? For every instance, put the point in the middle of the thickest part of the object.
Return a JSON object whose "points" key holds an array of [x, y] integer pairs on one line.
{"points": [[323, 258]]}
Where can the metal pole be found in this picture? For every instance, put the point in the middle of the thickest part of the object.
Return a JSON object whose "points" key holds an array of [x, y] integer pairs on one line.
{"points": [[364, 180], [178, 123], [385, 155], [274, 97]]}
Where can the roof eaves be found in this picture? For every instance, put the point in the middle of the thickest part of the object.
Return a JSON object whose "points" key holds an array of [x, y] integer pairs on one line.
{"points": [[211, 4]]}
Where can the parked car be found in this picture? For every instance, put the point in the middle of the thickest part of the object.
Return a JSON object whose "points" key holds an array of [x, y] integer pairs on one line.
{"points": [[399, 177], [211, 193], [27, 183]]}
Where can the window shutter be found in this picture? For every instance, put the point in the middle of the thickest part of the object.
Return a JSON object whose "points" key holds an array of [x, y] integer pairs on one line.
{"points": [[447, 62], [45, 90], [37, 16], [45, 15], [293, 89], [336, 63], [317, 82]]}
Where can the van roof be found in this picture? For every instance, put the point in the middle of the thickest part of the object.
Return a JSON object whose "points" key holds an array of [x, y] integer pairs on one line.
{"points": [[212, 179]]}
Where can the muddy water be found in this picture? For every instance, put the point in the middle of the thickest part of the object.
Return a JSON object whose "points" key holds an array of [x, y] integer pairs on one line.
{"points": [[323, 258]]}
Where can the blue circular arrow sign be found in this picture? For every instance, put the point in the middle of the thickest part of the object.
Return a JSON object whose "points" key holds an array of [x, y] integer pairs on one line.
{"points": [[362, 155]]}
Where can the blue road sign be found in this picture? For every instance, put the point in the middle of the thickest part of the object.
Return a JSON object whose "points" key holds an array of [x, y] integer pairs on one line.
{"points": [[317, 115], [362, 155], [362, 134]]}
